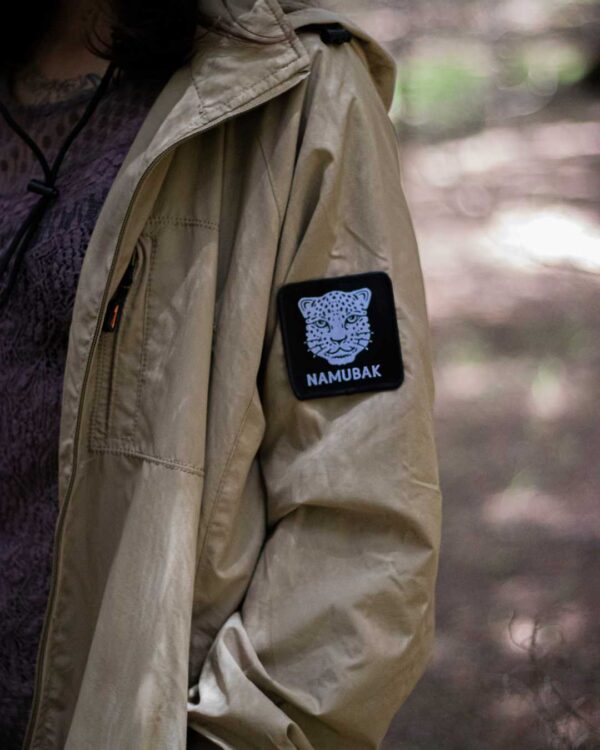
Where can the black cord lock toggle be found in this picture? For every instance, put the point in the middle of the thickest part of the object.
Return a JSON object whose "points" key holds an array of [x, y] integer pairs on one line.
{"points": [[42, 188], [335, 33], [330, 33]]}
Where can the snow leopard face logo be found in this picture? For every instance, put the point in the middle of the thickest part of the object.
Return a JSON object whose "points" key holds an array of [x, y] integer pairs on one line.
{"points": [[337, 325]]}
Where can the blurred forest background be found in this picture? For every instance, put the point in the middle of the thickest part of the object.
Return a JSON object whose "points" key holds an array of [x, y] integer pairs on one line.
{"points": [[498, 110]]}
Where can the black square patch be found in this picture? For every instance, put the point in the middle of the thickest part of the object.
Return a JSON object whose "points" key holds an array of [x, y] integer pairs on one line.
{"points": [[340, 335]]}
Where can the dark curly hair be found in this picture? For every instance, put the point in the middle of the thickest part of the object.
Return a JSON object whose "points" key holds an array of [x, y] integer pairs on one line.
{"points": [[147, 36]]}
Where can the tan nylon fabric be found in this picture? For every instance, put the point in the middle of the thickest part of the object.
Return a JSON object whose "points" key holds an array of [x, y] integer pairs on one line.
{"points": [[236, 568]]}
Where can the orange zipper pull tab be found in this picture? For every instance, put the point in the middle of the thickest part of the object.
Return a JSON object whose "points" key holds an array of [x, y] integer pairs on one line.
{"points": [[115, 306]]}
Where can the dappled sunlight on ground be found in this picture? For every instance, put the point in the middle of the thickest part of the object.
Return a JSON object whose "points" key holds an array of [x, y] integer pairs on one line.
{"points": [[526, 505], [508, 148], [553, 235], [500, 151], [509, 228]]}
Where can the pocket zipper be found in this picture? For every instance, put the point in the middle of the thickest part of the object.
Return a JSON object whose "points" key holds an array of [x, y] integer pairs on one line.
{"points": [[117, 301]]}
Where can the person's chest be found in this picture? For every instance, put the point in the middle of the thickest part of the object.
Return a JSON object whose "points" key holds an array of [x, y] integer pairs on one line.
{"points": [[37, 313]]}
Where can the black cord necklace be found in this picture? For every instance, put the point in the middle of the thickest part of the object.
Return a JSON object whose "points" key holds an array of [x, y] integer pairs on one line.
{"points": [[45, 188]]}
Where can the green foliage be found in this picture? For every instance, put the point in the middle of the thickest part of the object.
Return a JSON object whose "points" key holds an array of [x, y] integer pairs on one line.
{"points": [[547, 62], [442, 92], [448, 86]]}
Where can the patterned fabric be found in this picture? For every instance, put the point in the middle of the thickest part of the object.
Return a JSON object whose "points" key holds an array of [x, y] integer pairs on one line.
{"points": [[34, 329]]}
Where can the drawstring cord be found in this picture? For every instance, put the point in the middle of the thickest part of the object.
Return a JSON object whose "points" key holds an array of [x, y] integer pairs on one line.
{"points": [[45, 188]]}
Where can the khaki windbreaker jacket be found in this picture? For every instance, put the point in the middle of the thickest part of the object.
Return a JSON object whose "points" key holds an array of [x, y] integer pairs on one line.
{"points": [[233, 564]]}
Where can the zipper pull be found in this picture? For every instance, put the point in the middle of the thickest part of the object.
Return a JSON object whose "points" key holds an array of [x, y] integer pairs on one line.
{"points": [[115, 306]]}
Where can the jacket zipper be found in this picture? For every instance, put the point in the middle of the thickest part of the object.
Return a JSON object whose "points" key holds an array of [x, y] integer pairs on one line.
{"points": [[114, 310], [62, 514], [111, 320]]}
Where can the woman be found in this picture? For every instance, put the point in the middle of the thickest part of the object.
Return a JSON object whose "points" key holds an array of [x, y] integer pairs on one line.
{"points": [[217, 384]]}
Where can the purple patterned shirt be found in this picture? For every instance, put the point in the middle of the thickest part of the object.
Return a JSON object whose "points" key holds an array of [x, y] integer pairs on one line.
{"points": [[34, 329]]}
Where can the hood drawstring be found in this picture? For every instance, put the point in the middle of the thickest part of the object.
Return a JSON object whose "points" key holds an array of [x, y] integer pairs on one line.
{"points": [[45, 188]]}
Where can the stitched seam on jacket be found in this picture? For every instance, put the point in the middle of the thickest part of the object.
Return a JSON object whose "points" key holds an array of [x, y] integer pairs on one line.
{"points": [[270, 178], [295, 42], [95, 412], [181, 221], [143, 359], [214, 504], [231, 103], [169, 463]]}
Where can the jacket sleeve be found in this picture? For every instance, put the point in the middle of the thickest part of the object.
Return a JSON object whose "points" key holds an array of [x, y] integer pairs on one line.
{"points": [[337, 623]]}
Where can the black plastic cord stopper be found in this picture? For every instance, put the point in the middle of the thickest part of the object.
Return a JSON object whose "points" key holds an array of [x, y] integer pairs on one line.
{"points": [[42, 188], [335, 34]]}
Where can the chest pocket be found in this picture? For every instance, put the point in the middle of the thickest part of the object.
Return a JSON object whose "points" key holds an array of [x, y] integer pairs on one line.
{"points": [[151, 374], [119, 371]]}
